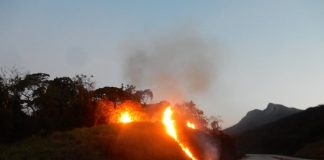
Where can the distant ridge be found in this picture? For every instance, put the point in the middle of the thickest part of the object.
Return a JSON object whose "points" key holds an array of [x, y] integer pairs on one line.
{"points": [[256, 118], [300, 134]]}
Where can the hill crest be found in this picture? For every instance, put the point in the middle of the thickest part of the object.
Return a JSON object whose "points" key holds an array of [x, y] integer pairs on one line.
{"points": [[256, 118]]}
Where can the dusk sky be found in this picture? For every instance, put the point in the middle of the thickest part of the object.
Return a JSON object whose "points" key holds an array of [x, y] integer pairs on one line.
{"points": [[260, 51]]}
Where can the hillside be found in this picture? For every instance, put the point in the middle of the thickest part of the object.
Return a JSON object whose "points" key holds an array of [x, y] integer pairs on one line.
{"points": [[300, 134], [256, 118], [136, 141]]}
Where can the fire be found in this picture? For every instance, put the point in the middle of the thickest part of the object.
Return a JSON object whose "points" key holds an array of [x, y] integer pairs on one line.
{"points": [[169, 123], [171, 130], [125, 118], [127, 115], [191, 125]]}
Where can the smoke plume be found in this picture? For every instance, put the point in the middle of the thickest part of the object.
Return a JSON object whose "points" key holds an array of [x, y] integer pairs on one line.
{"points": [[172, 65]]}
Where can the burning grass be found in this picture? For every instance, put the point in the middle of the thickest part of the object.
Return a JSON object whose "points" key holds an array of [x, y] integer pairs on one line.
{"points": [[185, 124]]}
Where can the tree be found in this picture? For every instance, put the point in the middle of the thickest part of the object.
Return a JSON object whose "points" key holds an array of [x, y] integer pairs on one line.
{"points": [[14, 122], [114, 94], [85, 85], [190, 110], [31, 89], [143, 96], [58, 109], [5, 125]]}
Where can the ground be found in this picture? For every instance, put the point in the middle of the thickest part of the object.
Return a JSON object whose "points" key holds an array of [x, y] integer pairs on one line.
{"points": [[135, 141], [269, 157]]}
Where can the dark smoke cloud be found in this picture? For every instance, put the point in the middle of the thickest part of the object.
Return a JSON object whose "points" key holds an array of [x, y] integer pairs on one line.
{"points": [[172, 65]]}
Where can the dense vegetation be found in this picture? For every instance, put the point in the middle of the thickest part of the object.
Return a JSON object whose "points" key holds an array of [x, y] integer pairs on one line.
{"points": [[34, 103]]}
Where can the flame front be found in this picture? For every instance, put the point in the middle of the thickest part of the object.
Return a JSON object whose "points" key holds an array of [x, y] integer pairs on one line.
{"points": [[191, 125], [171, 130], [125, 118]]}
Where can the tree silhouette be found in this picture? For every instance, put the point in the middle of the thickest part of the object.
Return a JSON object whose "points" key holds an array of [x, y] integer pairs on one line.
{"points": [[14, 122], [59, 102], [30, 89]]}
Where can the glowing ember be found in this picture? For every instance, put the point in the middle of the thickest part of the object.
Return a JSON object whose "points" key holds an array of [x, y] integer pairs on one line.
{"points": [[171, 130], [125, 118], [191, 125]]}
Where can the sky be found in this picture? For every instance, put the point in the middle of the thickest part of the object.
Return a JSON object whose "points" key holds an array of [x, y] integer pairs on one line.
{"points": [[262, 51]]}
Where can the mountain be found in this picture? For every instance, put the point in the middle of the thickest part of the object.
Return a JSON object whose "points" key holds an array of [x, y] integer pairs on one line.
{"points": [[256, 118], [300, 134]]}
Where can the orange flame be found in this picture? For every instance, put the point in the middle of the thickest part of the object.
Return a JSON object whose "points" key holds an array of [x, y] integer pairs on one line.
{"points": [[125, 118], [171, 130], [191, 125]]}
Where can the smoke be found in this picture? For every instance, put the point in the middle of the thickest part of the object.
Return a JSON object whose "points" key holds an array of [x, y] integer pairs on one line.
{"points": [[172, 65], [210, 148]]}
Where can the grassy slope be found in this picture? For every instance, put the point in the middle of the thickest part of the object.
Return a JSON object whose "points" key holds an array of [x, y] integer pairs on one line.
{"points": [[142, 141]]}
